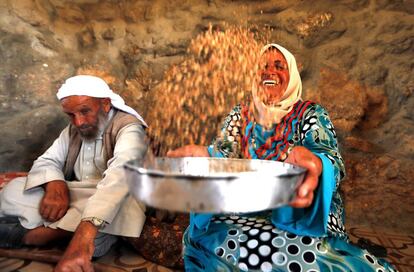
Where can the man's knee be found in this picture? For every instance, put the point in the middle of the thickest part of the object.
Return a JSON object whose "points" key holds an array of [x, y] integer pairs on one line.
{"points": [[12, 188], [15, 201], [103, 243]]}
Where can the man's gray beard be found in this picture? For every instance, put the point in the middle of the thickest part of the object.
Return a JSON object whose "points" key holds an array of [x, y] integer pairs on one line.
{"points": [[92, 134]]}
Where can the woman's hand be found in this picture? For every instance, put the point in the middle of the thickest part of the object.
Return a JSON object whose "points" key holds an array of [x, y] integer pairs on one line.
{"points": [[189, 151], [301, 156]]}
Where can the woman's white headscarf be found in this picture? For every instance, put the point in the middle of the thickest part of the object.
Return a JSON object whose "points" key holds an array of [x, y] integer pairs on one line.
{"points": [[94, 87], [268, 115]]}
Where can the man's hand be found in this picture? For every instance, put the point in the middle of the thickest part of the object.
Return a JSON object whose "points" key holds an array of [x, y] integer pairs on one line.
{"points": [[78, 254], [301, 156], [189, 151], [55, 201]]}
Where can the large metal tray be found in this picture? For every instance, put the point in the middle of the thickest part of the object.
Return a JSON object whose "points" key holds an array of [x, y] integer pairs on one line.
{"points": [[215, 185]]}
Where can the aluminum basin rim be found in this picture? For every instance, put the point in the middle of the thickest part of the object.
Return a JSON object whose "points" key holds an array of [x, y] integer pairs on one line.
{"points": [[221, 176]]}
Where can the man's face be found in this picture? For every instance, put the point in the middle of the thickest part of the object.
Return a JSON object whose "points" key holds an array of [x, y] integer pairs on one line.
{"points": [[273, 76], [86, 113]]}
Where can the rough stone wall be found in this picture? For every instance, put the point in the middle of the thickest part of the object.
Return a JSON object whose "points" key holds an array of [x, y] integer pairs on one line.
{"points": [[355, 56]]}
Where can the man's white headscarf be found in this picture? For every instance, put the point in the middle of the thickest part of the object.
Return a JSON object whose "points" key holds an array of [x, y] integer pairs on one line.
{"points": [[94, 87], [269, 115]]}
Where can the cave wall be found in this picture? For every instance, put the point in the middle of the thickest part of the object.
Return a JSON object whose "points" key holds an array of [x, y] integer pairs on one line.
{"points": [[355, 57]]}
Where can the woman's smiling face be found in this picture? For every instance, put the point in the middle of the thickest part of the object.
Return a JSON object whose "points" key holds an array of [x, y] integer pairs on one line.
{"points": [[273, 76]]}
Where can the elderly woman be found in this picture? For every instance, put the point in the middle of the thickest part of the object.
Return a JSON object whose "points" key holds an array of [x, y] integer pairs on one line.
{"points": [[307, 235]]}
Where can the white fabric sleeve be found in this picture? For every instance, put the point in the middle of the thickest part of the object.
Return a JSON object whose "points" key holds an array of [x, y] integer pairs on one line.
{"points": [[49, 166], [112, 190]]}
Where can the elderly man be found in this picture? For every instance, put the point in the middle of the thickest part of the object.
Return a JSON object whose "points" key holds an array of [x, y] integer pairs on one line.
{"points": [[78, 184]]}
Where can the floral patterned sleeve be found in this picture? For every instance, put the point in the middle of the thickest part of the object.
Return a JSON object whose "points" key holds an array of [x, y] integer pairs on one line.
{"points": [[318, 135], [227, 143]]}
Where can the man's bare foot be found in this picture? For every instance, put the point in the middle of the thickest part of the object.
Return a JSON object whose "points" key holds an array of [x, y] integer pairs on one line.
{"points": [[42, 235]]}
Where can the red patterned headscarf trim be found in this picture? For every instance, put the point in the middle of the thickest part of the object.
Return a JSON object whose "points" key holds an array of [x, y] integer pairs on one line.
{"points": [[281, 135]]}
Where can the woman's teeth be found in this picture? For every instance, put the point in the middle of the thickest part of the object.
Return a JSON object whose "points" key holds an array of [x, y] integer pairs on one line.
{"points": [[270, 82]]}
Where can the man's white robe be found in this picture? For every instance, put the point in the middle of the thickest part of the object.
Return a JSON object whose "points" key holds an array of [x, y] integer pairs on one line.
{"points": [[101, 191]]}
